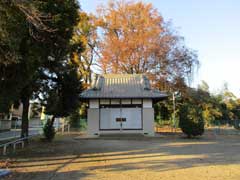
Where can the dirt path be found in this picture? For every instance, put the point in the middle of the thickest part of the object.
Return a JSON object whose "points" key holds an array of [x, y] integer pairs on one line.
{"points": [[164, 158]]}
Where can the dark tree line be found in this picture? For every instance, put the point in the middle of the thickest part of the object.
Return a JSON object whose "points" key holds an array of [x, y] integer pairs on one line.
{"points": [[222, 108]]}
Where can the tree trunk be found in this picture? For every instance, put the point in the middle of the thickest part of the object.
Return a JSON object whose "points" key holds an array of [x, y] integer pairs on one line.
{"points": [[25, 102], [52, 121]]}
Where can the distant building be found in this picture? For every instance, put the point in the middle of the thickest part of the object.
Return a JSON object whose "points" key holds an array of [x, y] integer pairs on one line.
{"points": [[14, 117]]}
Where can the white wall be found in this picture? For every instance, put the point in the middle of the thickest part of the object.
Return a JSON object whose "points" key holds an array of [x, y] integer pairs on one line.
{"points": [[148, 117], [126, 101], [136, 101], [148, 121], [93, 122], [147, 103], [93, 103], [93, 119]]}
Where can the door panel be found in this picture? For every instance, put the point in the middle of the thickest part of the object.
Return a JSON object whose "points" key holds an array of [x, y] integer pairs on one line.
{"points": [[133, 118], [108, 118]]}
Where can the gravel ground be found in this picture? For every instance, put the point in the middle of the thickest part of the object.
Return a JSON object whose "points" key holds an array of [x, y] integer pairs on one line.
{"points": [[169, 157]]}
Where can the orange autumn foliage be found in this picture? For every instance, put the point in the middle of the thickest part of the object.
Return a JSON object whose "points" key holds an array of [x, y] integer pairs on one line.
{"points": [[136, 39]]}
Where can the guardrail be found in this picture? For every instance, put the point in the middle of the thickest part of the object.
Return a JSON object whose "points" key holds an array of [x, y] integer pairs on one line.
{"points": [[14, 143]]}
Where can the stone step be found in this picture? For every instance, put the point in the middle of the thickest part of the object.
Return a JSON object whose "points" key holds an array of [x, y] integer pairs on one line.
{"points": [[121, 135]]}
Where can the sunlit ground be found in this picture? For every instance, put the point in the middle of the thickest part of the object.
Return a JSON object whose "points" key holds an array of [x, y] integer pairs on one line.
{"points": [[167, 157]]}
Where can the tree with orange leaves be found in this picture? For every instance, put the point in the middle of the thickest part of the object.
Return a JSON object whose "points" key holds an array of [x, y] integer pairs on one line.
{"points": [[136, 39]]}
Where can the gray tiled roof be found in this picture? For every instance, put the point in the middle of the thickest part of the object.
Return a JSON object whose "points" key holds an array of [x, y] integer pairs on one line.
{"points": [[122, 86]]}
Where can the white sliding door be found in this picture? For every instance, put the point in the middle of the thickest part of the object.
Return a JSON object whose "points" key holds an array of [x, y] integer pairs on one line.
{"points": [[132, 118]]}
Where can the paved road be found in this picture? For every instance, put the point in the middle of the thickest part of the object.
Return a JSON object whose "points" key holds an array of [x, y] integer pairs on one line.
{"points": [[15, 133]]}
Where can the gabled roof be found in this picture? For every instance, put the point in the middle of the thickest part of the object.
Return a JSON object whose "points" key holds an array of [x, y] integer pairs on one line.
{"points": [[122, 86]]}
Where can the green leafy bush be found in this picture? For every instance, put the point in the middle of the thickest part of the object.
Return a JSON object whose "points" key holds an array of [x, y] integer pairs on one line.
{"points": [[83, 124], [49, 131], [191, 120], [78, 121], [74, 119]]}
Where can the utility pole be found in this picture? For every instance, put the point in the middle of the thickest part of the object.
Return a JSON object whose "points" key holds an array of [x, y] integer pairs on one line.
{"points": [[174, 109]]}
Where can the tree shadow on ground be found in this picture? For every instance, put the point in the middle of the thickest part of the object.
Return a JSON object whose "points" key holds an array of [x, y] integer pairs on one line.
{"points": [[73, 175], [68, 158]]}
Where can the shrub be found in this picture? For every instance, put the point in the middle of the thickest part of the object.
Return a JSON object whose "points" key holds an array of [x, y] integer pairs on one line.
{"points": [[48, 130], [191, 120], [83, 124], [77, 120], [74, 119]]}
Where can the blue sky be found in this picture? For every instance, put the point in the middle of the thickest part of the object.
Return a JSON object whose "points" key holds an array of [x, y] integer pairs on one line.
{"points": [[211, 27]]}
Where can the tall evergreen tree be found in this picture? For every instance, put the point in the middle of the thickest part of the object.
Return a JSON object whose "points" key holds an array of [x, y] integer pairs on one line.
{"points": [[43, 44]]}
